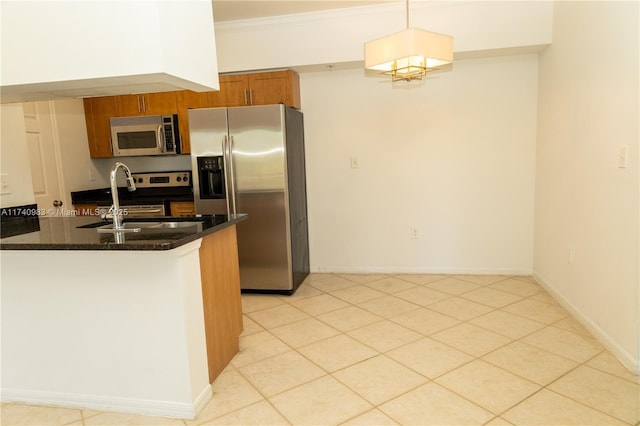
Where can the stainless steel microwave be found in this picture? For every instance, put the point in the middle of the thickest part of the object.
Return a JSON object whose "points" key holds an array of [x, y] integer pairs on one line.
{"points": [[145, 135]]}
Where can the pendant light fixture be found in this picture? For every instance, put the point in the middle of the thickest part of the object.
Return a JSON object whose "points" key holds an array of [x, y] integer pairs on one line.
{"points": [[409, 54]]}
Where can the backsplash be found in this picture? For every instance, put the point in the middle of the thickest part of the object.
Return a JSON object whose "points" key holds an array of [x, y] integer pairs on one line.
{"points": [[138, 165]]}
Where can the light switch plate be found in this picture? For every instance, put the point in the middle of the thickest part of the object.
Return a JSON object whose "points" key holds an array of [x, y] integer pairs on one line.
{"points": [[4, 184]]}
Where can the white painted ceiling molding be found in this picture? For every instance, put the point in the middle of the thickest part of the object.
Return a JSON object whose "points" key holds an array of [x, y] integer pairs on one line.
{"points": [[234, 10], [310, 41]]}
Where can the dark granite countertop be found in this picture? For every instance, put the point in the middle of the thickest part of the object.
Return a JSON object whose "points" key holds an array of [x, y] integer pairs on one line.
{"points": [[80, 233], [103, 196]]}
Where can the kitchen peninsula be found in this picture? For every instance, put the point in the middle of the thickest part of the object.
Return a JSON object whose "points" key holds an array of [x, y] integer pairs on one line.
{"points": [[138, 322]]}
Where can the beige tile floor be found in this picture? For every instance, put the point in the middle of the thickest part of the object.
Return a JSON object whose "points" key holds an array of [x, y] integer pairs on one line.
{"points": [[403, 350]]}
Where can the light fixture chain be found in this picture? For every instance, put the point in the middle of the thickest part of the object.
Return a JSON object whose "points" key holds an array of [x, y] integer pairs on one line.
{"points": [[407, 12]]}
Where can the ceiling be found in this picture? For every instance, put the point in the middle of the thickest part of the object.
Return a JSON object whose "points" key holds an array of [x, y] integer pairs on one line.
{"points": [[233, 10]]}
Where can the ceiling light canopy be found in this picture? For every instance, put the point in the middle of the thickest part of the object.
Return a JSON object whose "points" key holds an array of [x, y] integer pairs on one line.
{"points": [[409, 54]]}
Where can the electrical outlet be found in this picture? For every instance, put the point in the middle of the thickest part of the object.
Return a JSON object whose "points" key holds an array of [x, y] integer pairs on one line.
{"points": [[92, 175], [355, 163], [415, 234], [570, 255]]}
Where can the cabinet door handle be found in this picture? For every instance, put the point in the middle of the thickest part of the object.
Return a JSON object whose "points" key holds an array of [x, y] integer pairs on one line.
{"points": [[250, 96], [144, 104], [245, 96], [139, 109]]}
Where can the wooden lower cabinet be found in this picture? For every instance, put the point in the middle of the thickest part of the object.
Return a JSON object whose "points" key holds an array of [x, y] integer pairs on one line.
{"points": [[220, 276], [182, 208], [85, 209]]}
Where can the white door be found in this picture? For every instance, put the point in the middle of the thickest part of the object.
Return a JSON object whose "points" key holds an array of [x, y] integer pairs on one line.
{"points": [[43, 158]]}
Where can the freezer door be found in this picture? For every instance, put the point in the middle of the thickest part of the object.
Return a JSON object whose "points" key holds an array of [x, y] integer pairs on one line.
{"points": [[208, 132], [259, 167]]}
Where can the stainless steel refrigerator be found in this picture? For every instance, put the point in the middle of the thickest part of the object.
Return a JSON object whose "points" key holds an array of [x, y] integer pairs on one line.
{"points": [[251, 160]]}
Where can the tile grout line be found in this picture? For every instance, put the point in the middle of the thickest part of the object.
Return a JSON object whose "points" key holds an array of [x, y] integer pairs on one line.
{"points": [[428, 379], [385, 353], [546, 325]]}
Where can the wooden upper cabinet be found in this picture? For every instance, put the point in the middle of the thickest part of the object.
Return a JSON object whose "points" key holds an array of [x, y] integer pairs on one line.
{"points": [[264, 88], [186, 99], [147, 104], [97, 112], [274, 88], [233, 91]]}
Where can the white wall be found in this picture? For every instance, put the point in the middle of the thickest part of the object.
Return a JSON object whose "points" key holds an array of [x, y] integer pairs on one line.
{"points": [[585, 204], [14, 158], [454, 158], [338, 36], [73, 337]]}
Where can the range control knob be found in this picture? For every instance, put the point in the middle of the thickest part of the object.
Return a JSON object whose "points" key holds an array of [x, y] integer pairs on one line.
{"points": [[186, 178], [178, 178], [140, 180]]}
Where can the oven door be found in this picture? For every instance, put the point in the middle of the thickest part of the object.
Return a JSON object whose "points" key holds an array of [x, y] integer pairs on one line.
{"points": [[153, 210]]}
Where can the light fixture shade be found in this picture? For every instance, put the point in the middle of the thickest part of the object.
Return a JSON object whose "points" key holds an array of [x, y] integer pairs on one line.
{"points": [[408, 54]]}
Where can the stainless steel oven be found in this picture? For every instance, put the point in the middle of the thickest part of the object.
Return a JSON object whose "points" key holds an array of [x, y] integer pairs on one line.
{"points": [[152, 210], [154, 194], [135, 210]]}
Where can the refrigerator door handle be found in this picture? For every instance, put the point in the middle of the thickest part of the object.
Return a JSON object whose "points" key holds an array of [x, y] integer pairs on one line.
{"points": [[225, 162], [233, 177]]}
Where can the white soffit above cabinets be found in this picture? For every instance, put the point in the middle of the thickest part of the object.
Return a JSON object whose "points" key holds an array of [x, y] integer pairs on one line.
{"points": [[480, 29], [60, 49]]}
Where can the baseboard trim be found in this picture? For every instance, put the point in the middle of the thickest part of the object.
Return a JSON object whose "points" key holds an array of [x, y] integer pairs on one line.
{"points": [[201, 401], [421, 270], [145, 407], [627, 359]]}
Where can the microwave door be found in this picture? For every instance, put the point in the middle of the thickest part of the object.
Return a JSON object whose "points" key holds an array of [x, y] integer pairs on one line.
{"points": [[137, 136]]}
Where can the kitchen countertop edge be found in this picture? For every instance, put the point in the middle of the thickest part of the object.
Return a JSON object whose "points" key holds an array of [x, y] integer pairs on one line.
{"points": [[160, 245]]}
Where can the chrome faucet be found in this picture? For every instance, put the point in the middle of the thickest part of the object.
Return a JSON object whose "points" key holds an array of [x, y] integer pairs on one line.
{"points": [[131, 185]]}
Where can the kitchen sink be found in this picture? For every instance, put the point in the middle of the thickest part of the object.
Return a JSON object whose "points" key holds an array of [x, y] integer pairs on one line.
{"points": [[155, 225], [133, 226]]}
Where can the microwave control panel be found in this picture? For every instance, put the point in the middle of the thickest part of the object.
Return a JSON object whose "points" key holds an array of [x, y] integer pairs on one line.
{"points": [[168, 133]]}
